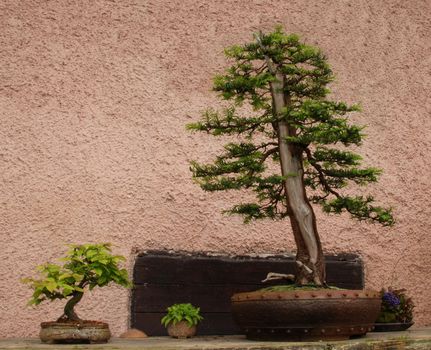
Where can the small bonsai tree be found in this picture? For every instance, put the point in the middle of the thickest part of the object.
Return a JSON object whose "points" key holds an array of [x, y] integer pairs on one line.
{"points": [[279, 112], [87, 265]]}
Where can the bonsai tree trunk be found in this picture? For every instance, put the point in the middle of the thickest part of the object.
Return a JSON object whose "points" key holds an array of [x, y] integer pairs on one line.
{"points": [[69, 312], [309, 256]]}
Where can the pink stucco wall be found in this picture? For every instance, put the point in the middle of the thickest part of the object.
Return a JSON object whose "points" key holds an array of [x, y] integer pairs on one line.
{"points": [[94, 96]]}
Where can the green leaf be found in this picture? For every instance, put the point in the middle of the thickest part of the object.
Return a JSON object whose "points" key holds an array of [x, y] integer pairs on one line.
{"points": [[51, 286], [98, 271]]}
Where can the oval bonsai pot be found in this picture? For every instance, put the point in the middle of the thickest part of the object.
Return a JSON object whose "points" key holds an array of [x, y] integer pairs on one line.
{"points": [[181, 330], [323, 314], [74, 332]]}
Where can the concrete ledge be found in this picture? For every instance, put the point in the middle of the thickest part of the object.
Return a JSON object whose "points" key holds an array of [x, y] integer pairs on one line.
{"points": [[417, 339]]}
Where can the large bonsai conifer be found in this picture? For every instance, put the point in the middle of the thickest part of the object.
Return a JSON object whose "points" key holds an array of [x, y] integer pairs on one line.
{"points": [[279, 112]]}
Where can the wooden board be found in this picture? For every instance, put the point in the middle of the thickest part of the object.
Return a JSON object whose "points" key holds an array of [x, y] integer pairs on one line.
{"points": [[163, 279]]}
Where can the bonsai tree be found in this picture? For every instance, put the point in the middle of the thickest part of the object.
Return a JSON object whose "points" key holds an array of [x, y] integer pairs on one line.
{"points": [[87, 265], [290, 143]]}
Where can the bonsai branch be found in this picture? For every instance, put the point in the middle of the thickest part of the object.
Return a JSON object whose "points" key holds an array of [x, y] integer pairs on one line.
{"points": [[321, 174], [305, 267], [271, 276]]}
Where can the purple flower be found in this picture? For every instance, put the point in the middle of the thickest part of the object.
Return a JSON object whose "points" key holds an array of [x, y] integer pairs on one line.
{"points": [[391, 299]]}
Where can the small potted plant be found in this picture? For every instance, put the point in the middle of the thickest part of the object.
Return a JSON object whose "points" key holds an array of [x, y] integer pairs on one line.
{"points": [[181, 320], [87, 265], [396, 313]]}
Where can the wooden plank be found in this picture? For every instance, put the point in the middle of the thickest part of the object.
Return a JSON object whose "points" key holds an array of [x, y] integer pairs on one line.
{"points": [[221, 270], [213, 323], [214, 298], [165, 270], [343, 274]]}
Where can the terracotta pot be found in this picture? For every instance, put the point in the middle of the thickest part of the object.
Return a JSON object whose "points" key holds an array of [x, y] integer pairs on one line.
{"points": [[181, 330], [74, 332], [306, 315]]}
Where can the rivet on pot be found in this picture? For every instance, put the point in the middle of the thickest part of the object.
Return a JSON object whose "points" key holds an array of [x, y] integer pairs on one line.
{"points": [[279, 296], [329, 294], [296, 295], [322, 331], [246, 330], [305, 330], [338, 330], [362, 328], [356, 295], [288, 330], [313, 295], [344, 295], [272, 331], [258, 330], [352, 329]]}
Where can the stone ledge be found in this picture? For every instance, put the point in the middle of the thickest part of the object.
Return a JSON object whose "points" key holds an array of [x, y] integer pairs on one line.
{"points": [[417, 339]]}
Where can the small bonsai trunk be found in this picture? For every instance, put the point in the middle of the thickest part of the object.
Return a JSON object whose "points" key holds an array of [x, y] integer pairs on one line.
{"points": [[69, 312]]}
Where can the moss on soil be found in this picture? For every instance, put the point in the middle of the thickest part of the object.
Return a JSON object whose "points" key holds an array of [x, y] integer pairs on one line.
{"points": [[292, 287]]}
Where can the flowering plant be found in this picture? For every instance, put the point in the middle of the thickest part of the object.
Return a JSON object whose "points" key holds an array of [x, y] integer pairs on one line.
{"points": [[396, 307]]}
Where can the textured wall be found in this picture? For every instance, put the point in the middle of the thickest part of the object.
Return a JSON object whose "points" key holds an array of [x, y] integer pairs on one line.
{"points": [[94, 96]]}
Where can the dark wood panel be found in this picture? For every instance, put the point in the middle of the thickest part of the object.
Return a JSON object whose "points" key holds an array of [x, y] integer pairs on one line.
{"points": [[221, 270], [213, 323], [345, 274], [209, 282], [215, 298]]}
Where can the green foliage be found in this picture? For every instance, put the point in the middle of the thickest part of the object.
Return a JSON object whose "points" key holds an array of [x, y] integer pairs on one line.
{"points": [[396, 307], [320, 132], [360, 208], [90, 265], [182, 312]]}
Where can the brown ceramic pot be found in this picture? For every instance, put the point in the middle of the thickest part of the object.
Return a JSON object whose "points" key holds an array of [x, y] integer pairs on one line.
{"points": [[306, 315], [74, 332], [181, 330]]}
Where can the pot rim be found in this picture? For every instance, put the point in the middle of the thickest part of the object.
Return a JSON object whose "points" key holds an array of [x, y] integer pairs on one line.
{"points": [[302, 294], [83, 324]]}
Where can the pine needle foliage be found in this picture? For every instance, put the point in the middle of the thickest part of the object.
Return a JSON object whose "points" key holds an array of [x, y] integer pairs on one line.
{"points": [[322, 132]]}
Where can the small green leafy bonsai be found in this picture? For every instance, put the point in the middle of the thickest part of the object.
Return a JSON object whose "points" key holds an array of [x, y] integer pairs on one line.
{"points": [[90, 265], [182, 312], [396, 307]]}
